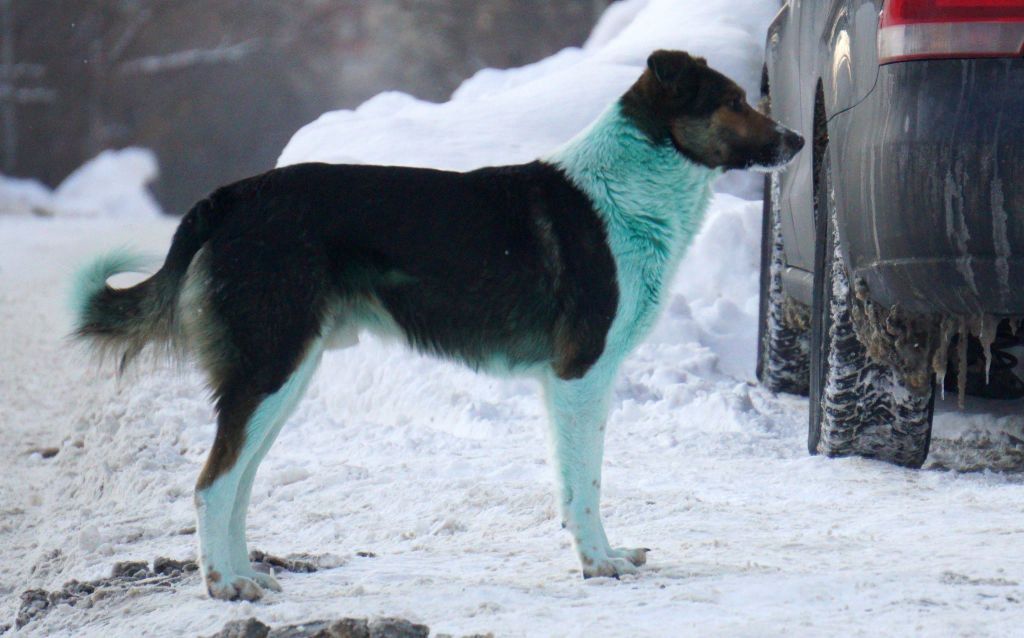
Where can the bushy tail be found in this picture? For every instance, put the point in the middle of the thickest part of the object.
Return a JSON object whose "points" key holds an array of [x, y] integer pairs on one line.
{"points": [[121, 322]]}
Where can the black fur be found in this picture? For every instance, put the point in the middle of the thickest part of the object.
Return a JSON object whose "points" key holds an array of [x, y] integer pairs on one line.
{"points": [[505, 265]]}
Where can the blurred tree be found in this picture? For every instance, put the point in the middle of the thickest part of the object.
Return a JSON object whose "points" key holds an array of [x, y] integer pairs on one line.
{"points": [[217, 87]]}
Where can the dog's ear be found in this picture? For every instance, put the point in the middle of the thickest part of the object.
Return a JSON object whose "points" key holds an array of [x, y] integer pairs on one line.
{"points": [[677, 71]]}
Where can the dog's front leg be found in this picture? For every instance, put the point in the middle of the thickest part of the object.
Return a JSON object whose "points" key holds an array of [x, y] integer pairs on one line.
{"points": [[578, 410]]}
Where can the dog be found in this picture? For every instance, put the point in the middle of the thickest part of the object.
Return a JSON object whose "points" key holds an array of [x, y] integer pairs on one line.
{"points": [[554, 269]]}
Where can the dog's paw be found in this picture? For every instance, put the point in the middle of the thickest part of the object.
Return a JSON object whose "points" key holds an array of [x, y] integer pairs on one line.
{"points": [[607, 567], [266, 581], [235, 587], [635, 555]]}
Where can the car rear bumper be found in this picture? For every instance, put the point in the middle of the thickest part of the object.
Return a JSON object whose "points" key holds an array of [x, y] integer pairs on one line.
{"points": [[969, 286], [929, 178]]}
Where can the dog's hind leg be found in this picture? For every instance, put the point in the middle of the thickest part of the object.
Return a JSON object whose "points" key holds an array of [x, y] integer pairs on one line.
{"points": [[288, 398], [578, 410], [248, 422]]}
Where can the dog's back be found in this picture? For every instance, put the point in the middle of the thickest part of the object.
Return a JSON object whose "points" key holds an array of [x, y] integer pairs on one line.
{"points": [[476, 266]]}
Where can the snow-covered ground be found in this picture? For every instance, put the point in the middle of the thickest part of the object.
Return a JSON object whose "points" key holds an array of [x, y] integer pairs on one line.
{"points": [[441, 473]]}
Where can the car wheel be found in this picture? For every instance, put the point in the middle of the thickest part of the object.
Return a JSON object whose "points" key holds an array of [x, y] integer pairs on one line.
{"points": [[783, 343], [858, 406]]}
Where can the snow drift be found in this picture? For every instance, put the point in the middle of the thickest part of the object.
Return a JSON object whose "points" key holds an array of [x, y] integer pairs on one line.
{"points": [[112, 184]]}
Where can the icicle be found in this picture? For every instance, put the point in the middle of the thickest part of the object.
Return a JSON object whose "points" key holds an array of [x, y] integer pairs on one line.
{"points": [[961, 373], [986, 335], [940, 359]]}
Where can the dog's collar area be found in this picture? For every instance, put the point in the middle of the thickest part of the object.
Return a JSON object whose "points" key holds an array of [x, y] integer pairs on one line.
{"points": [[614, 162]]}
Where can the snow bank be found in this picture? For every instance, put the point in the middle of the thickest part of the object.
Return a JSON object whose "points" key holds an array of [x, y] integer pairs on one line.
{"points": [[719, 277], [615, 18], [24, 197], [112, 184], [505, 117]]}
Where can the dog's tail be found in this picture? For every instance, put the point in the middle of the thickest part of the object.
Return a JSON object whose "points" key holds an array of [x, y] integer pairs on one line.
{"points": [[123, 321]]}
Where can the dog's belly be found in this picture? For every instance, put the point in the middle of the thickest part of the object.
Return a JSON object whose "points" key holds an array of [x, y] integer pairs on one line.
{"points": [[501, 352]]}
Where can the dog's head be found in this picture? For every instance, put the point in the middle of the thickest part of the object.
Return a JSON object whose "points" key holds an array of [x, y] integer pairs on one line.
{"points": [[679, 99]]}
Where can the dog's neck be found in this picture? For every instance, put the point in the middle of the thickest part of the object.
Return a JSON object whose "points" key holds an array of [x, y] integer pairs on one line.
{"points": [[645, 190], [652, 200]]}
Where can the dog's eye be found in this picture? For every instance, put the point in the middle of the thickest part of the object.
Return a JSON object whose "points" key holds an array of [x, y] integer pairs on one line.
{"points": [[737, 105]]}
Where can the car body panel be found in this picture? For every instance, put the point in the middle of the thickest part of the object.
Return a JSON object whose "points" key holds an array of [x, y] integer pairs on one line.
{"points": [[783, 69], [797, 38], [926, 156], [930, 182]]}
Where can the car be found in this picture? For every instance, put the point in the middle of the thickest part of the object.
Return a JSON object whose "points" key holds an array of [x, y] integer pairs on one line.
{"points": [[896, 245]]}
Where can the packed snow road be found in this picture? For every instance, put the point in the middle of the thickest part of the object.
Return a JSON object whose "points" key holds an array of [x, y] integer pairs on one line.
{"points": [[441, 475], [419, 489]]}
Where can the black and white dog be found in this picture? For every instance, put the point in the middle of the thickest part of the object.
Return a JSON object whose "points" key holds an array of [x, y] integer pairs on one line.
{"points": [[554, 269]]}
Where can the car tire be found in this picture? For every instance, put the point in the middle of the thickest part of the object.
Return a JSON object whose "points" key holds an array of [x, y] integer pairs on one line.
{"points": [[783, 335], [858, 406]]}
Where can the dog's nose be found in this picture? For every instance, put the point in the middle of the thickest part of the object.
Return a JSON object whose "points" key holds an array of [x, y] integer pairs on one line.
{"points": [[794, 140]]}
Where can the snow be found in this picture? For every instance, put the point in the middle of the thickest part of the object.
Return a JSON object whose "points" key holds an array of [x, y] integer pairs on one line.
{"points": [[504, 117], [112, 184], [442, 474], [23, 197]]}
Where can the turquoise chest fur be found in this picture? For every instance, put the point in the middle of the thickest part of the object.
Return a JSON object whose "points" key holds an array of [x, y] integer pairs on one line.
{"points": [[652, 201]]}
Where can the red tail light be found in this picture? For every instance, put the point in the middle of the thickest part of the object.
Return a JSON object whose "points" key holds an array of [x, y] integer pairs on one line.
{"points": [[921, 29]]}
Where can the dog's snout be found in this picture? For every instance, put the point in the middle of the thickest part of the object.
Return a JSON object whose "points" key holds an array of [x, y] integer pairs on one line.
{"points": [[785, 144], [793, 140]]}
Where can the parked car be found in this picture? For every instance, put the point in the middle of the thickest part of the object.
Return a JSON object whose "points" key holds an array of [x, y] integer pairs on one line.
{"points": [[901, 233]]}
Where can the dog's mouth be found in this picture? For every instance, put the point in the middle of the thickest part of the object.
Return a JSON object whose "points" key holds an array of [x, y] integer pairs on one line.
{"points": [[776, 155]]}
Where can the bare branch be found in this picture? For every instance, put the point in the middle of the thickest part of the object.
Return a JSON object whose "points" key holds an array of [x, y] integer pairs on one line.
{"points": [[130, 31], [33, 95], [187, 58]]}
